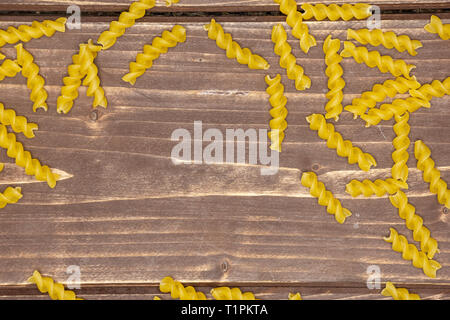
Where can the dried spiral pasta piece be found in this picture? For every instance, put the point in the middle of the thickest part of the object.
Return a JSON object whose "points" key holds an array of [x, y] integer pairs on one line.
{"points": [[378, 187], [431, 175], [374, 59], [294, 19], [410, 252], [177, 290], [325, 197], [398, 293], [35, 82], [389, 88], [278, 112], [160, 45], [23, 158], [225, 293], [401, 144], [436, 26], [233, 49], [55, 290], [335, 12], [435, 89], [10, 195], [387, 39], [294, 296], [126, 20], [170, 2], [288, 60], [92, 80], [334, 73], [9, 69], [414, 223], [344, 148], [19, 124]]}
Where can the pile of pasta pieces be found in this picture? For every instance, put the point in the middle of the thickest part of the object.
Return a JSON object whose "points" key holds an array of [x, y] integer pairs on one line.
{"points": [[83, 71]]}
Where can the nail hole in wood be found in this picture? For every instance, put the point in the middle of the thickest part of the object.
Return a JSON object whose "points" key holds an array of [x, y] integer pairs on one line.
{"points": [[444, 210], [224, 266], [315, 167], [94, 115]]}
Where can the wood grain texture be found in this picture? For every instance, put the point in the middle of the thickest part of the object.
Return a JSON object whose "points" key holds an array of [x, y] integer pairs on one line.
{"points": [[127, 215]]}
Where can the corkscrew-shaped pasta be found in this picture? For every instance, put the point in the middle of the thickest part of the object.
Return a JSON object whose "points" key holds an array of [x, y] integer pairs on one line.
{"points": [[325, 197], [35, 82], [389, 88], [335, 12], [344, 148], [374, 59], [414, 223], [10, 195], [19, 124], [278, 112], [23, 158], [436, 26], [177, 290], [431, 175], [233, 49], [334, 73], [436, 89], [410, 252], [92, 80], [288, 60], [55, 290], [294, 19], [295, 296], [126, 20], [387, 39], [170, 2], [378, 187], [9, 69], [225, 293], [160, 45], [398, 293], [401, 144]]}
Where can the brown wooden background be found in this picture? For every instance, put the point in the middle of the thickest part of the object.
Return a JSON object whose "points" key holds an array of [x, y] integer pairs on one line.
{"points": [[128, 216]]}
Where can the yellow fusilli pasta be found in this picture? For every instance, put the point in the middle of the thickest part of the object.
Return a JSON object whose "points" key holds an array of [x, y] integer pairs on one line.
{"points": [[92, 80], [288, 60], [35, 82], [170, 2], [295, 296], [398, 293], [374, 59], [10, 195], [178, 291], [436, 26], [233, 49], [435, 89], [335, 12], [55, 290], [126, 20], [431, 175], [387, 39], [378, 187], [19, 124], [278, 112], [334, 73], [410, 252], [225, 293], [294, 19], [414, 223], [325, 197], [344, 148], [9, 69], [160, 45], [401, 144]]}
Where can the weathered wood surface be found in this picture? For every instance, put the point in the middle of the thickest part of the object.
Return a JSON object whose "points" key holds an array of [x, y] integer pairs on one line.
{"points": [[127, 215]]}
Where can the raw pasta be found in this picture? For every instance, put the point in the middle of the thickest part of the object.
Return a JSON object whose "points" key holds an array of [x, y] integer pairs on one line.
{"points": [[10, 195], [35, 82], [325, 197], [398, 293], [335, 12], [294, 19], [401, 144], [295, 296], [436, 26], [378, 187], [344, 148], [431, 175], [334, 73], [225, 293], [177, 290], [410, 252], [170, 2], [126, 20], [9, 69], [278, 112], [387, 39], [55, 290], [92, 80], [24, 159], [233, 49], [19, 124], [160, 45], [414, 223], [374, 59], [436, 89], [287, 59]]}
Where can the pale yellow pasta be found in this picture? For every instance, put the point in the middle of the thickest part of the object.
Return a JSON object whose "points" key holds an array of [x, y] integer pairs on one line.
{"points": [[55, 290], [225, 293], [398, 293], [436, 26], [178, 291], [10, 195], [335, 12]]}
